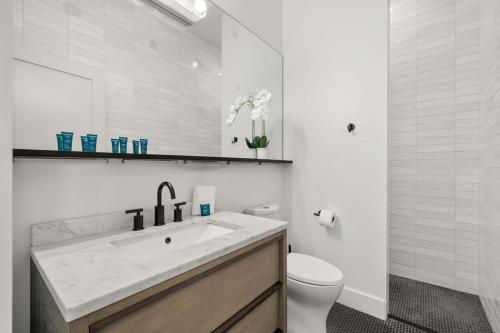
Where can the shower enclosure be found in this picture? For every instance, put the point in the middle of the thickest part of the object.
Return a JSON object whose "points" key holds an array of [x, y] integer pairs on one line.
{"points": [[444, 146]]}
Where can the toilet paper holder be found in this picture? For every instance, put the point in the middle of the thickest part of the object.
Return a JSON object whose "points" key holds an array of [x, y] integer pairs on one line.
{"points": [[328, 220]]}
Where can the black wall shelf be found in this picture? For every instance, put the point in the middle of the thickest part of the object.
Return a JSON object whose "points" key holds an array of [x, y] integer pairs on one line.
{"points": [[75, 155]]}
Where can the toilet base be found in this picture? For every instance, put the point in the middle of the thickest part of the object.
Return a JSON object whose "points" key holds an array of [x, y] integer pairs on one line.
{"points": [[310, 319], [313, 287], [308, 306]]}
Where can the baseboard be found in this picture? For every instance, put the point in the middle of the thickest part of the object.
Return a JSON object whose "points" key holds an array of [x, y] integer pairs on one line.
{"points": [[363, 302]]}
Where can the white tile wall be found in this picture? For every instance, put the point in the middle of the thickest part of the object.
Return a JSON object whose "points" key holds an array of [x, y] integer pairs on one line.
{"points": [[434, 141], [151, 88], [489, 279]]}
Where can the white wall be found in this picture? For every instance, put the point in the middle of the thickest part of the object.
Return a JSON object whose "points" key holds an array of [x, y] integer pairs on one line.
{"points": [[5, 167], [261, 16], [45, 190], [336, 73]]}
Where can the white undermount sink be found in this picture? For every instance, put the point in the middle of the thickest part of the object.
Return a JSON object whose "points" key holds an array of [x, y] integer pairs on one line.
{"points": [[174, 238]]}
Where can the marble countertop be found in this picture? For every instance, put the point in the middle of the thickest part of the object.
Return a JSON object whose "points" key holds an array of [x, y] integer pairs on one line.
{"points": [[85, 275]]}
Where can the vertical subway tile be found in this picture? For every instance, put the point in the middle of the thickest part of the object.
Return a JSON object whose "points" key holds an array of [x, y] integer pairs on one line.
{"points": [[434, 120]]}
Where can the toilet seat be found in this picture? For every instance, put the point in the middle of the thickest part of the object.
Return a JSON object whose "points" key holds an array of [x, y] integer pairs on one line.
{"points": [[312, 270]]}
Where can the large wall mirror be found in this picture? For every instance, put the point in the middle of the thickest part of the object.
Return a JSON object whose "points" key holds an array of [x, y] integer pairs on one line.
{"points": [[192, 83]]}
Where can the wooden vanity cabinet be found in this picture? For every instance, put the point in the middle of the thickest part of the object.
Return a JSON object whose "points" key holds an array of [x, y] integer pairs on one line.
{"points": [[241, 292]]}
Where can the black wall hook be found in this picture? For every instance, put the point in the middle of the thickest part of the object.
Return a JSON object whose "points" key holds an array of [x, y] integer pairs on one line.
{"points": [[351, 127]]}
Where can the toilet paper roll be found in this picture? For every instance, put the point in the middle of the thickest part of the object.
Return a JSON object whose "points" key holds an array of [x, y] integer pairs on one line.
{"points": [[327, 218]]}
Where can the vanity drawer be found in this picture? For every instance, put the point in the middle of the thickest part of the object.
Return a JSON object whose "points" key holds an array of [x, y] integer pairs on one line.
{"points": [[262, 319], [204, 302]]}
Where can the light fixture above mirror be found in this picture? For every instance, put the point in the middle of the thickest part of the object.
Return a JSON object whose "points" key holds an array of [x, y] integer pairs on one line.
{"points": [[188, 11]]}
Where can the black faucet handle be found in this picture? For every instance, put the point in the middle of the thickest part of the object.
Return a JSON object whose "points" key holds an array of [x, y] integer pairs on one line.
{"points": [[178, 211], [138, 219], [134, 211], [179, 204]]}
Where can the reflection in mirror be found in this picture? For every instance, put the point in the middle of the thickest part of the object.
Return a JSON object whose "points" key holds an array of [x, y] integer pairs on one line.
{"points": [[189, 79]]}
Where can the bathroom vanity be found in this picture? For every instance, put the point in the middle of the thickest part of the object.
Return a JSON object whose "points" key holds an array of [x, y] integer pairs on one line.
{"points": [[223, 273]]}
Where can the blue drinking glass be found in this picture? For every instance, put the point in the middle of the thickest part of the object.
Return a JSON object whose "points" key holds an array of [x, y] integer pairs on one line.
{"points": [[85, 143], [67, 141], [60, 143], [135, 146], [115, 145], [144, 146], [92, 139], [123, 145]]}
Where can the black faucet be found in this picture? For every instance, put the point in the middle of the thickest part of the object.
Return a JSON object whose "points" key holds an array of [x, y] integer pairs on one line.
{"points": [[160, 209]]}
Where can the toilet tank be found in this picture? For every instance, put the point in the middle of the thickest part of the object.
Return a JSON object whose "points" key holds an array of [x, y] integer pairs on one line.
{"points": [[270, 211]]}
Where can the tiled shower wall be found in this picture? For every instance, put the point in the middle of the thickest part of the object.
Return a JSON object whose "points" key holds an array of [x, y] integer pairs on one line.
{"points": [[434, 141], [489, 278], [152, 87]]}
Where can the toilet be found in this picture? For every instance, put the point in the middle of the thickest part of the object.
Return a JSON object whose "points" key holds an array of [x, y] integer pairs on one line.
{"points": [[314, 285]]}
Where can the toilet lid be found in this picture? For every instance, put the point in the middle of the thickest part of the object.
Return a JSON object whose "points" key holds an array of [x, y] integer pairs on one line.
{"points": [[262, 210], [311, 270]]}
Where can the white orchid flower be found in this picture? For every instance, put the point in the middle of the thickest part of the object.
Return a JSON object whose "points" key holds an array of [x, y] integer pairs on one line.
{"points": [[240, 101], [231, 118], [264, 113], [264, 96], [255, 114], [258, 103]]}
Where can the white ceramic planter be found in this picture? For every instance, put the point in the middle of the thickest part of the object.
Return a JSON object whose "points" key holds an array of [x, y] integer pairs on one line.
{"points": [[262, 153], [252, 153]]}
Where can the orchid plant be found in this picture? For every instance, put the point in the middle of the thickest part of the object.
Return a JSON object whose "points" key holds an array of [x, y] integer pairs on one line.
{"points": [[258, 103]]}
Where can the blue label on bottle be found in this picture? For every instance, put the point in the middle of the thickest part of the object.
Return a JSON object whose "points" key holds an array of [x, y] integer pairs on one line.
{"points": [[205, 209]]}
